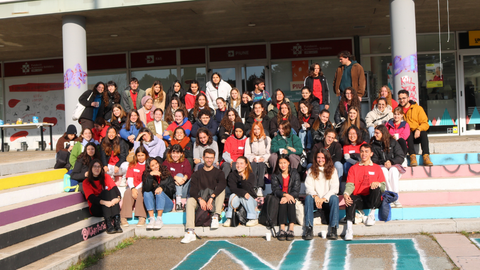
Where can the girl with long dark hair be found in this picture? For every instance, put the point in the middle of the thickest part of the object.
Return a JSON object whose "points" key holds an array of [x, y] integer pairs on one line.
{"points": [[176, 90], [174, 105], [258, 114], [216, 88], [113, 98], [181, 171], [349, 99], [114, 152], [277, 100], [80, 171], [321, 124], [131, 127], [192, 95], [285, 114], [201, 103], [94, 102], [85, 138], [318, 85], [204, 141], [119, 117], [306, 119]]}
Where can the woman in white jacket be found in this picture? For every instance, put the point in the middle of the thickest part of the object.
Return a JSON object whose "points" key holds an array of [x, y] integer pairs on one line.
{"points": [[380, 115], [216, 88], [321, 187], [257, 151]]}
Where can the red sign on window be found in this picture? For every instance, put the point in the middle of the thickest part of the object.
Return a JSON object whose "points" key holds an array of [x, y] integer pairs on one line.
{"points": [[238, 53], [308, 49], [111, 61], [153, 59], [192, 56], [40, 67]]}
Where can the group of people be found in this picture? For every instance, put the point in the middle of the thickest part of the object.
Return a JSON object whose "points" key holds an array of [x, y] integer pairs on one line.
{"points": [[203, 145]]}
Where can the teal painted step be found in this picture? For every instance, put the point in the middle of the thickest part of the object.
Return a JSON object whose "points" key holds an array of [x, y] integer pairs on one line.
{"points": [[450, 159], [172, 218]]}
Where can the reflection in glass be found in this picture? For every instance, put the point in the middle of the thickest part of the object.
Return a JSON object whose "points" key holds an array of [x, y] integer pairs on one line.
{"points": [[193, 73], [252, 74], [471, 69], [119, 78], [147, 77]]}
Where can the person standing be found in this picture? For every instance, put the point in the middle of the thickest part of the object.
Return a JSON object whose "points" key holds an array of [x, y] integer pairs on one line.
{"points": [[216, 88], [349, 74], [417, 119], [318, 84], [365, 185], [205, 180], [132, 98], [94, 102]]}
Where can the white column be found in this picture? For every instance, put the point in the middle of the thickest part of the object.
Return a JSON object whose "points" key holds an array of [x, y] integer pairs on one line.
{"points": [[74, 63], [404, 47]]}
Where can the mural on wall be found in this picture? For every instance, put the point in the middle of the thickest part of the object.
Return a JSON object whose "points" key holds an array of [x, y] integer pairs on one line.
{"points": [[403, 67], [75, 77], [42, 97]]}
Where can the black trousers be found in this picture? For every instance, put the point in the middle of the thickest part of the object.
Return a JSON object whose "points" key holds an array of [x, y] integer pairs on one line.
{"points": [[102, 210], [422, 140], [403, 144], [259, 171], [286, 211], [372, 200]]}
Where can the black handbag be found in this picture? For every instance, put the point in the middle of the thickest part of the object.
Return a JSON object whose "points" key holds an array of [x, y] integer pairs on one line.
{"points": [[239, 215]]}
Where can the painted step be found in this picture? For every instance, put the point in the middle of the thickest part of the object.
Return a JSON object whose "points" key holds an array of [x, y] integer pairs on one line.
{"points": [[414, 199], [26, 193], [439, 184], [465, 170], [26, 252], [23, 230], [26, 166], [26, 179], [451, 159], [72, 255], [15, 213]]}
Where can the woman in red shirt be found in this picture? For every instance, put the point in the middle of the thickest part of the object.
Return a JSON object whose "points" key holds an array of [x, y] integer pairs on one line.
{"points": [[133, 194], [351, 153], [102, 196]]}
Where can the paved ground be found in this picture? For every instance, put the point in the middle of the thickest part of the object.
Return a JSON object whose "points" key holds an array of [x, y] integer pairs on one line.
{"points": [[381, 252]]}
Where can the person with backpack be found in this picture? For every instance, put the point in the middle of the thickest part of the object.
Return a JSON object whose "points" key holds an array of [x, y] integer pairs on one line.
{"points": [[65, 146], [242, 183], [286, 186], [209, 182], [321, 187], [257, 151]]}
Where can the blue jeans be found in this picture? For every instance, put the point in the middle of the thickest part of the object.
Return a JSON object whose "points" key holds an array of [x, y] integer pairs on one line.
{"points": [[322, 106], [331, 208], [157, 202], [183, 190], [306, 138], [249, 205]]}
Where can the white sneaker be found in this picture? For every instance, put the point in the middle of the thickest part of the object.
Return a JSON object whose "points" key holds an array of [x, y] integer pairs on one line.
{"points": [[259, 192], [227, 222], [371, 218], [214, 224], [189, 237], [392, 205], [349, 234], [123, 182], [158, 223], [398, 204], [252, 222], [151, 223]]}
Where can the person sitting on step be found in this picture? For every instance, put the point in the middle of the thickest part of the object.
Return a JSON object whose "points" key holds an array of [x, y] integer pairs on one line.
{"points": [[364, 189]]}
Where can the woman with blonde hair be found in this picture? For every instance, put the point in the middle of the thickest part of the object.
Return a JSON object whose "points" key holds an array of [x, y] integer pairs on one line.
{"points": [[242, 182], [235, 101], [119, 116], [157, 94], [353, 119], [257, 151], [385, 92]]}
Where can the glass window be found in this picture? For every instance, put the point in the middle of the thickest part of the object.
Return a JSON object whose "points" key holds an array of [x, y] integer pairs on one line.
{"points": [[120, 78], [380, 68], [194, 73], [471, 67], [425, 43], [228, 75], [2, 106], [252, 74], [147, 77]]}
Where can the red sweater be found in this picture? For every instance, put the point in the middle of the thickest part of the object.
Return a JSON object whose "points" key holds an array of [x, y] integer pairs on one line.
{"points": [[190, 100], [363, 176], [136, 173], [351, 149], [183, 167], [88, 189], [234, 147]]}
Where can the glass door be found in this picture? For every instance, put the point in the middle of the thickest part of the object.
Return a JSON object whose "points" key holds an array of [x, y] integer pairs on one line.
{"points": [[229, 74], [241, 75], [470, 96]]}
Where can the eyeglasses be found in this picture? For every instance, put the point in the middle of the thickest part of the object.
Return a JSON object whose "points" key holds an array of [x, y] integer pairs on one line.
{"points": [[96, 166]]}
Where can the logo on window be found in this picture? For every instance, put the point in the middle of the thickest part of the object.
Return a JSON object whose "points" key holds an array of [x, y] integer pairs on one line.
{"points": [[231, 53], [26, 68], [150, 59], [297, 49]]}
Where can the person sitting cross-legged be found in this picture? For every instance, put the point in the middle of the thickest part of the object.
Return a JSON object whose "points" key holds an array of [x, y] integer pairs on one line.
{"points": [[365, 185], [205, 178], [321, 187]]}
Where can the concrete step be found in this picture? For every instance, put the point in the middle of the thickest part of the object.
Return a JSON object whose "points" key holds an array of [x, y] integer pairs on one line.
{"points": [[26, 193], [72, 255], [25, 210], [13, 166], [439, 184], [23, 230], [29, 251]]}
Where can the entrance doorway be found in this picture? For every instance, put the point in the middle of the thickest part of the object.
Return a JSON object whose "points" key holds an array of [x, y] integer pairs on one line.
{"points": [[242, 75], [470, 93]]}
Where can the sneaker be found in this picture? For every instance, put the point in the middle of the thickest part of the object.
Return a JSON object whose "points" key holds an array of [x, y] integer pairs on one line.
{"points": [[189, 237], [282, 235], [252, 222], [151, 223], [227, 222], [124, 222], [123, 182], [371, 218], [214, 224], [158, 224], [332, 234], [349, 234], [259, 192], [141, 222], [309, 233], [178, 207], [290, 236], [397, 204]]}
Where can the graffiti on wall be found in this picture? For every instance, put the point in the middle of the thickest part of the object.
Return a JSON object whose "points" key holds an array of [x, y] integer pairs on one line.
{"points": [[75, 77], [407, 64], [407, 83]]}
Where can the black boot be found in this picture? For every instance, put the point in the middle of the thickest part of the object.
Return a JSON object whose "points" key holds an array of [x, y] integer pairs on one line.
{"points": [[110, 229], [332, 235], [309, 233], [116, 224]]}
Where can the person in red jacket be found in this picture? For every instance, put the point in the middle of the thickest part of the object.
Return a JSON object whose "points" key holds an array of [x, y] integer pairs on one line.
{"points": [[365, 185], [103, 196], [234, 148], [192, 94]]}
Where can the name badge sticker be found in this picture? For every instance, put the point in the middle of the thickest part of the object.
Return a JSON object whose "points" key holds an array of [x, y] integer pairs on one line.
{"points": [[240, 147], [371, 173], [136, 170], [172, 169], [351, 152]]}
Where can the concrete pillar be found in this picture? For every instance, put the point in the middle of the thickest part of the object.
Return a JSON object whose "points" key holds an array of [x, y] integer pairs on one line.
{"points": [[74, 63], [404, 47]]}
